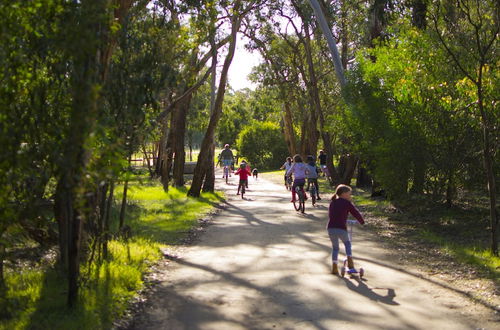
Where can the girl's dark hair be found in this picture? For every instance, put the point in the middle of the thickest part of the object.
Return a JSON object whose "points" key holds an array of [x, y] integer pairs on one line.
{"points": [[310, 158], [341, 188], [297, 158]]}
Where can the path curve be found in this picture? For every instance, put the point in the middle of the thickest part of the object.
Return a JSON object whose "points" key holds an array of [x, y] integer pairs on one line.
{"points": [[261, 265]]}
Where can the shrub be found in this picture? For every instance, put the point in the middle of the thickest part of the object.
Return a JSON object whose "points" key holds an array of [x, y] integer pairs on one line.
{"points": [[262, 144]]}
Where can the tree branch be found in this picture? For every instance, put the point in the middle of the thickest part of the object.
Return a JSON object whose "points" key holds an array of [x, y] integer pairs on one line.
{"points": [[188, 92]]}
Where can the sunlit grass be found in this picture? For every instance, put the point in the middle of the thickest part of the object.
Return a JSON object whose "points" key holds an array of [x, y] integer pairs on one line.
{"points": [[481, 258], [36, 298]]}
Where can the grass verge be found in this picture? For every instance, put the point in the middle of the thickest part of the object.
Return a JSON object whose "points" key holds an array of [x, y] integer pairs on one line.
{"points": [[36, 297]]}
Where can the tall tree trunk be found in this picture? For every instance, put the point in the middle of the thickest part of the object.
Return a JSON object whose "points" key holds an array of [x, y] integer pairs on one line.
{"points": [[350, 164], [204, 160], [162, 146], [488, 164], [148, 161], [168, 156], [123, 207], [190, 144], [109, 205], [179, 142], [363, 179], [419, 170], [288, 129], [317, 108], [90, 66], [209, 184]]}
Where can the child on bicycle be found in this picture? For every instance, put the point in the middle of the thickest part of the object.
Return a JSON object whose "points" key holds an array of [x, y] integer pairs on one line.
{"points": [[286, 166], [340, 207], [299, 171], [312, 176], [243, 172]]}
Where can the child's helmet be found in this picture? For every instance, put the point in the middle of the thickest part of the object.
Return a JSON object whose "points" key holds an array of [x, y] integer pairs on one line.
{"points": [[243, 165], [310, 158]]}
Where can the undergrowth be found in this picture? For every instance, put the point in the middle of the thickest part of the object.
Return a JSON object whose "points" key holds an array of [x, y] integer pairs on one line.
{"points": [[35, 298]]}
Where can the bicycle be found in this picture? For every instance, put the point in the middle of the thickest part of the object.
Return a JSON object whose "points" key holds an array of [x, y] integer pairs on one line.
{"points": [[226, 173], [241, 188], [299, 203], [289, 183], [313, 194]]}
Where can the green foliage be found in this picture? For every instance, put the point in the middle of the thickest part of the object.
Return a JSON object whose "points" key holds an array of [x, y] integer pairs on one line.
{"points": [[410, 119], [263, 145], [35, 298], [241, 108]]}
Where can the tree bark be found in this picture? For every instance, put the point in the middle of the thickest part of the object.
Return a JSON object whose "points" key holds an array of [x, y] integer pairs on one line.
{"points": [[288, 129], [488, 165], [349, 168], [363, 179], [148, 161], [209, 184], [90, 66], [179, 141], [316, 102], [106, 220], [204, 160], [123, 207]]}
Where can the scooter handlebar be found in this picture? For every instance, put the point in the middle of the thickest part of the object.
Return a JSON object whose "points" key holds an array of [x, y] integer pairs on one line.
{"points": [[352, 222]]}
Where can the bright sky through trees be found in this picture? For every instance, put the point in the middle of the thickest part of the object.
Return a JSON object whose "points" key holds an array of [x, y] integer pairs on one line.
{"points": [[242, 65]]}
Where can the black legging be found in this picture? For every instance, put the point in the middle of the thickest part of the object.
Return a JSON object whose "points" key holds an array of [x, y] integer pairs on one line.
{"points": [[315, 182]]}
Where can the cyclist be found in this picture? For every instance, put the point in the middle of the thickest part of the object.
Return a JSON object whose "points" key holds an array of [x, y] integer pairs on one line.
{"points": [[226, 157], [286, 166], [243, 172], [312, 176], [299, 171]]}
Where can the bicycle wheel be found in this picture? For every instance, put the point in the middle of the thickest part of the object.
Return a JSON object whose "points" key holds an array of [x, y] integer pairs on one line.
{"points": [[296, 201], [313, 195], [302, 202]]}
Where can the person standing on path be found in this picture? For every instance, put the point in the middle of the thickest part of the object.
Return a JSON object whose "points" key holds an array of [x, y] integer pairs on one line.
{"points": [[340, 207], [322, 161]]}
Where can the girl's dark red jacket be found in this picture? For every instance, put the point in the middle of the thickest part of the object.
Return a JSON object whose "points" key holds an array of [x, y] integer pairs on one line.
{"points": [[338, 212]]}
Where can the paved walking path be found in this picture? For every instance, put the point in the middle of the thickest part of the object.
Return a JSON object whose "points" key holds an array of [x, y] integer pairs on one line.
{"points": [[261, 265]]}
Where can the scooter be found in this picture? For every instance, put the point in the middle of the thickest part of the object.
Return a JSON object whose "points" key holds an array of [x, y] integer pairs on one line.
{"points": [[345, 269]]}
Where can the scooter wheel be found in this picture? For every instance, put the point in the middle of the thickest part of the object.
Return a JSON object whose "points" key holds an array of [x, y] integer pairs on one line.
{"points": [[361, 272], [342, 271]]}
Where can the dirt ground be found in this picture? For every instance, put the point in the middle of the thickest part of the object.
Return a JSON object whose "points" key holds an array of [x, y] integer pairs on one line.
{"points": [[261, 265]]}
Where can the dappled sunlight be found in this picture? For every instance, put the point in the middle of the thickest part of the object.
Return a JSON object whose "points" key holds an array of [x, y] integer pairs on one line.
{"points": [[262, 263]]}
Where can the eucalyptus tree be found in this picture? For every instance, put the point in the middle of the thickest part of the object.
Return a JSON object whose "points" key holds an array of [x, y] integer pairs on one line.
{"points": [[468, 31], [233, 12]]}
